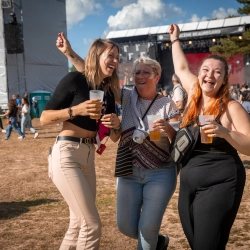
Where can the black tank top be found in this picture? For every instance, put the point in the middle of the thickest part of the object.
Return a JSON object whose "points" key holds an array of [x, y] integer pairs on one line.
{"points": [[218, 145]]}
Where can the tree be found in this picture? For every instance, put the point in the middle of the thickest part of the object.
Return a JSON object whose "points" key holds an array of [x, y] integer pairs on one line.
{"points": [[246, 8], [233, 45], [72, 68]]}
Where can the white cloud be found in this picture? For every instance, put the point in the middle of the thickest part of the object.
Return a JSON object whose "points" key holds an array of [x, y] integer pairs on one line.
{"points": [[77, 10], [195, 18], [222, 13], [216, 14], [144, 13]]}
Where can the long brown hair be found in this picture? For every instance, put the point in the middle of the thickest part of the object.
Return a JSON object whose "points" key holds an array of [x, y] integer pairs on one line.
{"points": [[223, 96], [91, 71]]}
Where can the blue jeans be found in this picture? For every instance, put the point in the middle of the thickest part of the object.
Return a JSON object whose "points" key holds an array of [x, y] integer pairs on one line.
{"points": [[14, 126], [26, 121], [142, 199]]}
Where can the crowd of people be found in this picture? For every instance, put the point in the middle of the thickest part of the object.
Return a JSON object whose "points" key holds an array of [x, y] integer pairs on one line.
{"points": [[17, 117], [211, 180]]}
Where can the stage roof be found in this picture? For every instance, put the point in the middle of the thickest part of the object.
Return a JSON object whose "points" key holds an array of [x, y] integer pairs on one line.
{"points": [[195, 26]]}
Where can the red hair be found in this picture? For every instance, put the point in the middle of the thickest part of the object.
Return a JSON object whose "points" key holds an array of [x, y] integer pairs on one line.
{"points": [[223, 96]]}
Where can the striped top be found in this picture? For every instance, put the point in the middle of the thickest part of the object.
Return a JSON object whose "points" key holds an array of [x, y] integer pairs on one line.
{"points": [[148, 155]]}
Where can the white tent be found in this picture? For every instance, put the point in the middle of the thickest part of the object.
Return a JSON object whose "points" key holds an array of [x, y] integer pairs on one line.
{"points": [[29, 59]]}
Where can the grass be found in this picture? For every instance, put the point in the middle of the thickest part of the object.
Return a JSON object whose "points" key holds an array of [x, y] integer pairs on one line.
{"points": [[34, 216]]}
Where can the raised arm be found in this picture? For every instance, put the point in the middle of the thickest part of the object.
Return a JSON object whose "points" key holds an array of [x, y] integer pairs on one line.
{"points": [[181, 65], [64, 46]]}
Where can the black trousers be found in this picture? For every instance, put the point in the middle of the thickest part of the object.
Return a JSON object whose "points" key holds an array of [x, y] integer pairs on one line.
{"points": [[1, 124], [211, 188]]}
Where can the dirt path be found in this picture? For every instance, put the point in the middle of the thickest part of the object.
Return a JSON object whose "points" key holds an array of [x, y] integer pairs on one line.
{"points": [[33, 215]]}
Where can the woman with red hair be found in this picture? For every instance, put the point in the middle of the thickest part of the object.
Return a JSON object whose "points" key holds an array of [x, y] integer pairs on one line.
{"points": [[213, 178]]}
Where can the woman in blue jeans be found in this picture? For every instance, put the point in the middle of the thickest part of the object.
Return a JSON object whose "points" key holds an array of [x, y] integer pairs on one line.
{"points": [[12, 114], [26, 119], [142, 197]]}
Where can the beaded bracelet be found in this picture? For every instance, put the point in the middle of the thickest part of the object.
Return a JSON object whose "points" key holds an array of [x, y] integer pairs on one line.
{"points": [[70, 113], [116, 131]]}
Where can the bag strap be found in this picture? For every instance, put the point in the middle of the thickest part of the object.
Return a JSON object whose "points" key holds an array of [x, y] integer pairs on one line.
{"points": [[219, 115], [149, 106], [132, 141]]}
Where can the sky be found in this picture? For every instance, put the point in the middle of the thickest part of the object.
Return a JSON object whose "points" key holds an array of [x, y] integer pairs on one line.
{"points": [[91, 19]]}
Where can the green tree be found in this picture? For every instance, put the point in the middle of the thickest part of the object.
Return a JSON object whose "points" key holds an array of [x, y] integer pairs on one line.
{"points": [[233, 45], [246, 8], [72, 68]]}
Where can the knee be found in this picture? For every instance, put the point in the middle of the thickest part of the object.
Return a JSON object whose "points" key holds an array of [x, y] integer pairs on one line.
{"points": [[128, 230]]}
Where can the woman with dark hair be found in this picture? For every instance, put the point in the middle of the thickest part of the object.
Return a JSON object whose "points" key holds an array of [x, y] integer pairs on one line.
{"points": [[71, 163], [212, 180], [26, 119], [12, 115]]}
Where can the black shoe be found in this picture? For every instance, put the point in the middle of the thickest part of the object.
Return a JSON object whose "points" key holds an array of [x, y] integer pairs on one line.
{"points": [[162, 243]]}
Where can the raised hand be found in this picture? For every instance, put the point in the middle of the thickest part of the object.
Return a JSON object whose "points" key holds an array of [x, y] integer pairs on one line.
{"points": [[62, 43]]}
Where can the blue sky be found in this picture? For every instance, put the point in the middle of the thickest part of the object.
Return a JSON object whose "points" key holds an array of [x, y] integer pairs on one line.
{"points": [[90, 19]]}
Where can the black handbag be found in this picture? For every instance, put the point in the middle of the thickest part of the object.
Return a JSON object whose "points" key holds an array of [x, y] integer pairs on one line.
{"points": [[183, 143], [123, 163]]}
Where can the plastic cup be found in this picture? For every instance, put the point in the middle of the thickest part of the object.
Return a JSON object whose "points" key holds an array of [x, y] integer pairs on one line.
{"points": [[153, 134], [93, 95], [202, 121]]}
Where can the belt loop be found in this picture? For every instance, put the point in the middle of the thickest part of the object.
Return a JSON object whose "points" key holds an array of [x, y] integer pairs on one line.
{"points": [[81, 140], [56, 139]]}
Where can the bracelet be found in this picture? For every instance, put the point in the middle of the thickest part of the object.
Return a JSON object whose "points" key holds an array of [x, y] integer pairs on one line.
{"points": [[175, 40], [117, 130], [70, 113]]}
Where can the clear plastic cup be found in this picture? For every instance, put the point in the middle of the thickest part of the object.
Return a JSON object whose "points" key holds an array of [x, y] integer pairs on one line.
{"points": [[202, 121], [153, 134], [93, 95]]}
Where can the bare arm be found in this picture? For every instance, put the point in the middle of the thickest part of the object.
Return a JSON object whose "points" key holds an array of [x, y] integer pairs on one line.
{"points": [[181, 65], [90, 107], [64, 46], [6, 114], [235, 128]]}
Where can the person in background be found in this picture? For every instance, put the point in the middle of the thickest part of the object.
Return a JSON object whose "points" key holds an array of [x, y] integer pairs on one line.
{"points": [[19, 105], [142, 197], [71, 164], [1, 123], [245, 97], [234, 93], [178, 93], [212, 181], [26, 119], [35, 106], [12, 114]]}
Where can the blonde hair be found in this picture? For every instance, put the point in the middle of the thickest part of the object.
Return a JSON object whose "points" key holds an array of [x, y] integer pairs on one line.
{"points": [[223, 96], [149, 62], [92, 66]]}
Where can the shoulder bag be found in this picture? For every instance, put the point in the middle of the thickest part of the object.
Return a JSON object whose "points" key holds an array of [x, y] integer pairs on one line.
{"points": [[185, 140], [123, 163]]}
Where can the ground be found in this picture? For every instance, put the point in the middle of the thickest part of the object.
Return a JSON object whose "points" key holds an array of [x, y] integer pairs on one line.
{"points": [[34, 216]]}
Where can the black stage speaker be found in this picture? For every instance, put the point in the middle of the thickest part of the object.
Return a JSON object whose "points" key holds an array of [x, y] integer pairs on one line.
{"points": [[13, 38]]}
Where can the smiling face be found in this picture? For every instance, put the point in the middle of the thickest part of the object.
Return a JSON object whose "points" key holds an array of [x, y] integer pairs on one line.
{"points": [[146, 80], [211, 76], [108, 61]]}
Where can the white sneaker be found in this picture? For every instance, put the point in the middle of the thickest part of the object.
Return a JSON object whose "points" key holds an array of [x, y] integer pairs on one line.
{"points": [[20, 138], [36, 135], [4, 131]]}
